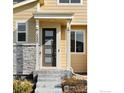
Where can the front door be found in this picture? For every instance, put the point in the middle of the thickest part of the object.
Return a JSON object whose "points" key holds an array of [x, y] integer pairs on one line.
{"points": [[49, 47]]}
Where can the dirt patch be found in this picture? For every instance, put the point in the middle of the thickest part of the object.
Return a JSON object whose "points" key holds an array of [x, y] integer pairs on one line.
{"points": [[75, 84]]}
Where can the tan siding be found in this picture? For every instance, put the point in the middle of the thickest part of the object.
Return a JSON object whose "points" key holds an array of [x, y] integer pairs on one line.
{"points": [[63, 47], [80, 11], [25, 13], [32, 32], [79, 61]]}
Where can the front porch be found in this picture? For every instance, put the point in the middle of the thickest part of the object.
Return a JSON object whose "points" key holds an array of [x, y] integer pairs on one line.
{"points": [[30, 56], [49, 57], [53, 40]]}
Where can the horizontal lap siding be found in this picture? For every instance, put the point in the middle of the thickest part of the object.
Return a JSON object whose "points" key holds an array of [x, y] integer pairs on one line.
{"points": [[63, 48], [79, 61], [80, 11], [25, 13], [63, 57]]}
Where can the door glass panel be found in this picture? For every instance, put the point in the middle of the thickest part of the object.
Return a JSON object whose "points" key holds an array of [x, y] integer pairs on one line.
{"points": [[48, 42], [48, 51], [48, 33], [48, 59], [49, 47]]}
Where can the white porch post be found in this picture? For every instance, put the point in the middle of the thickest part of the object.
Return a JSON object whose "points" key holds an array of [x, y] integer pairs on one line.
{"points": [[68, 56], [37, 67], [37, 45]]}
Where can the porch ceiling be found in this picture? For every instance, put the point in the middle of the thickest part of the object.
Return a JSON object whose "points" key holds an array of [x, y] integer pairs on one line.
{"points": [[56, 21]]}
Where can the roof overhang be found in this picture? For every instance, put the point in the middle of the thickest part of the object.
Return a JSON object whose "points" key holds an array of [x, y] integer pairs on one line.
{"points": [[23, 3], [51, 15]]}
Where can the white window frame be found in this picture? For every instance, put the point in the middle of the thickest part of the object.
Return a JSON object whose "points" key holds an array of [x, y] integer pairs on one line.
{"points": [[81, 3], [75, 41], [26, 31]]}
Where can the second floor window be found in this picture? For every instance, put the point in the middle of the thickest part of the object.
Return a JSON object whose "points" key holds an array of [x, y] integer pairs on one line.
{"points": [[70, 1], [17, 1]]}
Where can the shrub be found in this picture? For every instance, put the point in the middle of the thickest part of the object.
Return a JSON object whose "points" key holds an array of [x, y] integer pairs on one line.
{"points": [[20, 86]]}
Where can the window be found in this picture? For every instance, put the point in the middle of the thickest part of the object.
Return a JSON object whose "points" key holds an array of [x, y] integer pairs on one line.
{"points": [[21, 31], [75, 1], [63, 1], [72, 41], [70, 1], [77, 41], [17, 1]]}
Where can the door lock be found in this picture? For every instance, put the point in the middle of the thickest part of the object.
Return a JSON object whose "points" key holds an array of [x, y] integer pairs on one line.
{"points": [[58, 50]]}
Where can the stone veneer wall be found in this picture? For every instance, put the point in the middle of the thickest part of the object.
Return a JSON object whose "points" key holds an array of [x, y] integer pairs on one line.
{"points": [[24, 58]]}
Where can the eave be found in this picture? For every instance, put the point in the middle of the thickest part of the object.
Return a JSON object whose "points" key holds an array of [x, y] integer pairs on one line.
{"points": [[23, 3], [53, 15]]}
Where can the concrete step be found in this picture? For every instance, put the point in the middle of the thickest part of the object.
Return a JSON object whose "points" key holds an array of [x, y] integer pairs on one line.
{"points": [[52, 71], [48, 84], [49, 79], [48, 90], [49, 75]]}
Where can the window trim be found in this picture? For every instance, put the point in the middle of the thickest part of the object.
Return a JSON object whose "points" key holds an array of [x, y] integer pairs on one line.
{"points": [[84, 41], [26, 31], [73, 4]]}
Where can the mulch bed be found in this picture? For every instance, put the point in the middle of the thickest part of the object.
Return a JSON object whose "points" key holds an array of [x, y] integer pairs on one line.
{"points": [[74, 85]]}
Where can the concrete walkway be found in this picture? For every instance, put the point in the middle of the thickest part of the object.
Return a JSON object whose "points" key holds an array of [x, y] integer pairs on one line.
{"points": [[49, 80]]}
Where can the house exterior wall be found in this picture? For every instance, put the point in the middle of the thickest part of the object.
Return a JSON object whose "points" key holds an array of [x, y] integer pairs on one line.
{"points": [[24, 54], [78, 61], [25, 13], [63, 47], [80, 11], [24, 59]]}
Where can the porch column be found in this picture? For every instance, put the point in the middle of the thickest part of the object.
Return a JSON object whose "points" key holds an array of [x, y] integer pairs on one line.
{"points": [[37, 45], [68, 57]]}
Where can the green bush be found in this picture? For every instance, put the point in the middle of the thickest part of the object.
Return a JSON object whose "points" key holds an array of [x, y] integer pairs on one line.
{"points": [[22, 86]]}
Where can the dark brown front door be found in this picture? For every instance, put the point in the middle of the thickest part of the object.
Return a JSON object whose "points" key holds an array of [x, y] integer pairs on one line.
{"points": [[49, 47]]}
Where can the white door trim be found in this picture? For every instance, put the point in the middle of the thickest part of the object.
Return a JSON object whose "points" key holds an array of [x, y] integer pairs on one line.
{"points": [[58, 37]]}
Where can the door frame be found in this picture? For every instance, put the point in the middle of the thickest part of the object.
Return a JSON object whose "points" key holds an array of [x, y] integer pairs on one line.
{"points": [[58, 38]]}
